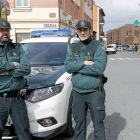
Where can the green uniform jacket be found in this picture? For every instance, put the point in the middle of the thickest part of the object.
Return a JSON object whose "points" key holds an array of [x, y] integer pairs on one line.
{"points": [[10, 53], [86, 78]]}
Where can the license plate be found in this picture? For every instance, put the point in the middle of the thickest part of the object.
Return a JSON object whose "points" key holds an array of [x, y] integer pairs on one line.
{"points": [[9, 121]]}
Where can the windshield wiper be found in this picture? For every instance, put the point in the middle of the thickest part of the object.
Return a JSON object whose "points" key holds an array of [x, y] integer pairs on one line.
{"points": [[37, 65]]}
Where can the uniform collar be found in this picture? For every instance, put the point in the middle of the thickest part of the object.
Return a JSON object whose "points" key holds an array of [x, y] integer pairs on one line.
{"points": [[6, 43], [1, 44], [87, 41]]}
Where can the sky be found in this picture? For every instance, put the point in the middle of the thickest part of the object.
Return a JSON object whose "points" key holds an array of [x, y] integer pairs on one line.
{"points": [[119, 12]]}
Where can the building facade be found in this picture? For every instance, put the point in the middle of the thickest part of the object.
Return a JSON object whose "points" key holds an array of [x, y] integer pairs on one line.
{"points": [[125, 35], [98, 22], [30, 15]]}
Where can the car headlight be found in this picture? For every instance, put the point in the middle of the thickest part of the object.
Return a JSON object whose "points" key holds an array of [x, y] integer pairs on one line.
{"points": [[44, 93]]}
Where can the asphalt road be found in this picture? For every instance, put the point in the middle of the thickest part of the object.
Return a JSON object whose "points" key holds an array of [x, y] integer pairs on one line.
{"points": [[122, 98]]}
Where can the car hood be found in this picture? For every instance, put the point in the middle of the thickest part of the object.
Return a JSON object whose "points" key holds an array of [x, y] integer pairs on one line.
{"points": [[44, 76]]}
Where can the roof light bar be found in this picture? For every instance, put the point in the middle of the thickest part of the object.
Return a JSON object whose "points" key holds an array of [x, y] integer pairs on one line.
{"points": [[39, 33]]}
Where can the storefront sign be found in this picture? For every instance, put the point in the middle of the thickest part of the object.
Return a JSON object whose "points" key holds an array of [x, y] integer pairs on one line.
{"points": [[50, 25]]}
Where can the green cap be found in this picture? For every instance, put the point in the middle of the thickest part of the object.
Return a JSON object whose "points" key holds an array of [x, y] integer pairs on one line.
{"points": [[4, 24], [84, 24]]}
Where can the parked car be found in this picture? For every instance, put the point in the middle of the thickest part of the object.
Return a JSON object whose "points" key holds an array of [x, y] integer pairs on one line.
{"points": [[114, 45], [124, 48], [111, 49], [119, 48], [49, 100], [130, 48]]}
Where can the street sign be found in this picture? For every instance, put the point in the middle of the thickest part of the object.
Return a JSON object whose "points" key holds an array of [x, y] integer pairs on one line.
{"points": [[136, 23], [3, 9], [8, 8]]}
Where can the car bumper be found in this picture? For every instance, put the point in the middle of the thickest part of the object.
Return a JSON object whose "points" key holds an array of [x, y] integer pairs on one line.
{"points": [[110, 51], [9, 137], [49, 134], [55, 107], [42, 135]]}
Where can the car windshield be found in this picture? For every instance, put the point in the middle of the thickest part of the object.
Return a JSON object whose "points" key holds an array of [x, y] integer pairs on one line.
{"points": [[46, 53], [109, 46]]}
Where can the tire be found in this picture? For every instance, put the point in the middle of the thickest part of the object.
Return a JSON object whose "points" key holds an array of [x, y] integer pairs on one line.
{"points": [[106, 52], [70, 130], [114, 52]]}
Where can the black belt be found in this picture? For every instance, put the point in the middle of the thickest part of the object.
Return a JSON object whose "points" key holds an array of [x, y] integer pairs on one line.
{"points": [[9, 94]]}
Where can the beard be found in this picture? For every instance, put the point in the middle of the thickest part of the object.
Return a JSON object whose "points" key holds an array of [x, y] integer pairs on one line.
{"points": [[4, 40]]}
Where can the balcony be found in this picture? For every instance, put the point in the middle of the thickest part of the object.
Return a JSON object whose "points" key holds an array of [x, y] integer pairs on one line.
{"points": [[102, 22], [102, 35]]}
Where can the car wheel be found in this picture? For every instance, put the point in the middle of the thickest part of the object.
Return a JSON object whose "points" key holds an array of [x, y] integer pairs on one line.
{"points": [[70, 130], [114, 52], [106, 52]]}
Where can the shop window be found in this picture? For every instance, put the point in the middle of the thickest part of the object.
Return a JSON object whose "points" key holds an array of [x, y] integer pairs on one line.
{"points": [[22, 36]]}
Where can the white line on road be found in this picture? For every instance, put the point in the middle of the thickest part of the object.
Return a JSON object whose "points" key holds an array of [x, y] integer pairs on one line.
{"points": [[112, 58], [120, 58], [130, 58]]}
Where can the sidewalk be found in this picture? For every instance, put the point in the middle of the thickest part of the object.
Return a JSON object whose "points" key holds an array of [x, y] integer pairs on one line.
{"points": [[136, 53]]}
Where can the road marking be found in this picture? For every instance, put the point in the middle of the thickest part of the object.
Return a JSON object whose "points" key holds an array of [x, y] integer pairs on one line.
{"points": [[130, 58], [120, 58], [111, 59], [123, 58]]}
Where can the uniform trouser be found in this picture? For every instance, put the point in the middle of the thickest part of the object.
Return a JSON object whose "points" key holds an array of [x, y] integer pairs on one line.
{"points": [[18, 111], [95, 102]]}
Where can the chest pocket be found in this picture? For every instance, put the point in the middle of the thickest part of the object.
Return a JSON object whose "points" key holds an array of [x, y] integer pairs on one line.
{"points": [[15, 59], [14, 54], [89, 58], [2, 55], [77, 58], [2, 58]]}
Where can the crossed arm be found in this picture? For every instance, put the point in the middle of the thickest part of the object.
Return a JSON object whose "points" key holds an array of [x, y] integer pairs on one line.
{"points": [[16, 69], [7, 73], [89, 68], [72, 65]]}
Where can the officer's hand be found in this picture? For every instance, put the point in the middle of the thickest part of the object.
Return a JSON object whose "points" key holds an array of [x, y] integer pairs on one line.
{"points": [[88, 62], [5, 73], [16, 64]]}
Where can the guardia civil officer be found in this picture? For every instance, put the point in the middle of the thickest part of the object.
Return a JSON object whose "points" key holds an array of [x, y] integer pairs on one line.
{"points": [[87, 61], [14, 64]]}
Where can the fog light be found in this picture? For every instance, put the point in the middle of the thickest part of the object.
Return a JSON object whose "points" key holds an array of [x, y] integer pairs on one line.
{"points": [[46, 122]]}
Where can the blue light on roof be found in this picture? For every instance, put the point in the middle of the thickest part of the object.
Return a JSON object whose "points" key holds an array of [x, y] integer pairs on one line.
{"points": [[38, 33]]}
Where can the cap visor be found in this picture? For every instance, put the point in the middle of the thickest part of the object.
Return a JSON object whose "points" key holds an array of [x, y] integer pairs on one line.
{"points": [[82, 27]]}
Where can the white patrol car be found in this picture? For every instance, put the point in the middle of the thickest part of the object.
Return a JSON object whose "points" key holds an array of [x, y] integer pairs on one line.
{"points": [[49, 101]]}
